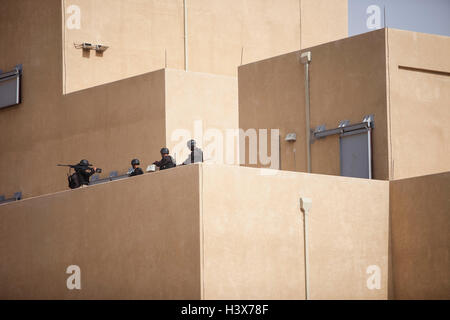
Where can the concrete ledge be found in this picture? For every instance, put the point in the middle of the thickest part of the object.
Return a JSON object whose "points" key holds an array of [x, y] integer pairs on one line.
{"points": [[198, 232]]}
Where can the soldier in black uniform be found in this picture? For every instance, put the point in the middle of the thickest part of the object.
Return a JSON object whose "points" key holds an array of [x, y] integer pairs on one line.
{"points": [[136, 170], [166, 161], [196, 153], [84, 171]]}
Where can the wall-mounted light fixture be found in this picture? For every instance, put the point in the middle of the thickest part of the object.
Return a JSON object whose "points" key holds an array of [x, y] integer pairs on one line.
{"points": [[291, 137], [100, 48], [90, 46]]}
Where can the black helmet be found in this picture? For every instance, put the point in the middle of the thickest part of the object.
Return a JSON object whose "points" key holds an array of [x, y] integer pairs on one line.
{"points": [[191, 144], [84, 162], [135, 162], [164, 151]]}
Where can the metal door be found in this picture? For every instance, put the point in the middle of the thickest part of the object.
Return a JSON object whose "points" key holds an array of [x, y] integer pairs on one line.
{"points": [[355, 154]]}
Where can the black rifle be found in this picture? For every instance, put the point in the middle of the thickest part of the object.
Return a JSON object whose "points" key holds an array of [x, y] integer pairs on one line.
{"points": [[78, 166]]}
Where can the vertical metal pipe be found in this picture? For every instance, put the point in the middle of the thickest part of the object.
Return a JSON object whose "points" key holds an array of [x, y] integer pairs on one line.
{"points": [[306, 59], [305, 206], [185, 37], [242, 55], [307, 107], [279, 152], [295, 160], [369, 148], [305, 241], [18, 89]]}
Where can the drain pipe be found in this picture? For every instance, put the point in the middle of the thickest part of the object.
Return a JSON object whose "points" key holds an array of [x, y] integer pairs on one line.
{"points": [[305, 206], [185, 37], [305, 58]]}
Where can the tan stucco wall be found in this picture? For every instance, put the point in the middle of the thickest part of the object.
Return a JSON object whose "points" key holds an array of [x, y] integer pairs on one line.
{"points": [[231, 233], [420, 227], [207, 101], [40, 119], [146, 35], [323, 21], [253, 234], [419, 103], [109, 124], [347, 82], [127, 121], [220, 31], [140, 34], [128, 238]]}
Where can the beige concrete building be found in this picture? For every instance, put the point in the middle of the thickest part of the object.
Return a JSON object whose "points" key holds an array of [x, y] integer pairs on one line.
{"points": [[419, 237], [133, 117], [214, 231], [399, 77], [212, 36], [220, 238], [231, 233], [109, 124]]}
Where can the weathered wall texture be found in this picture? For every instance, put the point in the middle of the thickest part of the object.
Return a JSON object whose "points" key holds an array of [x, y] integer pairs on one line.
{"points": [[253, 234], [420, 227], [231, 233], [109, 125], [419, 86], [143, 35], [125, 120], [402, 78], [323, 21], [271, 95], [40, 119], [206, 106], [240, 236], [223, 32], [128, 238], [146, 35], [347, 82]]}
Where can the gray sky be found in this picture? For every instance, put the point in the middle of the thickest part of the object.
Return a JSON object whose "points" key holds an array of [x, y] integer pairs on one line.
{"points": [[427, 16]]}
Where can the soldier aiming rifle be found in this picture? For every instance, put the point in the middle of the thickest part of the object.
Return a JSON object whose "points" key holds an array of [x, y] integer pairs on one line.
{"points": [[83, 171]]}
